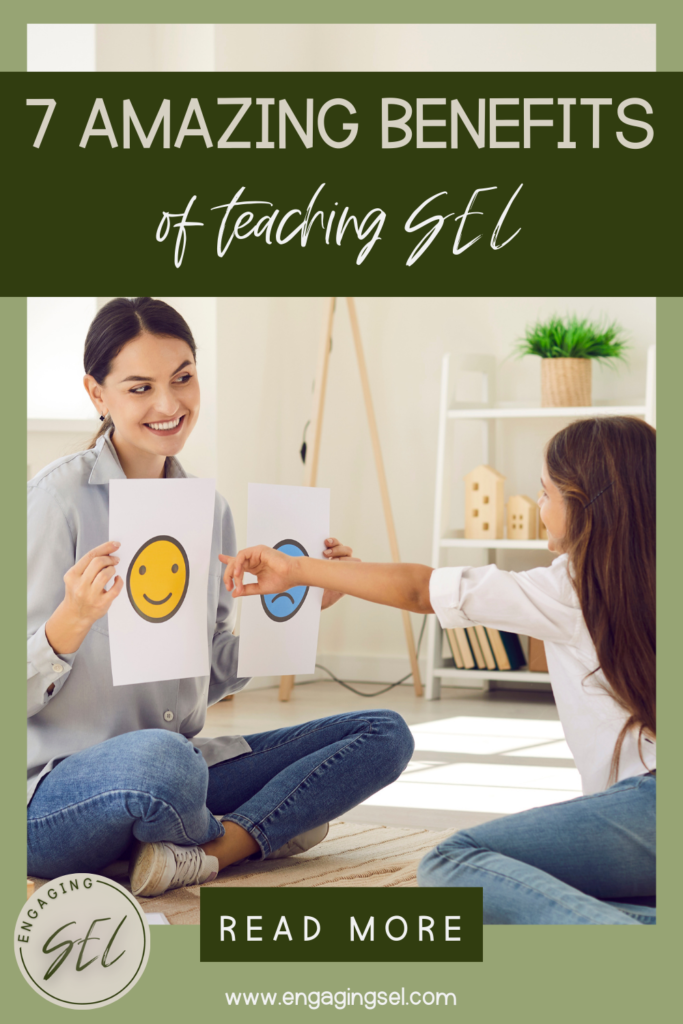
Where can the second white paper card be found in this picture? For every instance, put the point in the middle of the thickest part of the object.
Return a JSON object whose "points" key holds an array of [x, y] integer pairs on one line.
{"points": [[279, 632]]}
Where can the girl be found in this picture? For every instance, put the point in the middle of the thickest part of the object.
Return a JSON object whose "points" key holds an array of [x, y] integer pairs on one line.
{"points": [[117, 771], [589, 860]]}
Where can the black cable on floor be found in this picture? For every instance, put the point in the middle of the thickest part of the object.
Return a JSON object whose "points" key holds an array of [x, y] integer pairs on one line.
{"points": [[359, 693]]}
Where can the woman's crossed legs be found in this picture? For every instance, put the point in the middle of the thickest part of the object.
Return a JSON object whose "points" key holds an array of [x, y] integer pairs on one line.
{"points": [[154, 786]]}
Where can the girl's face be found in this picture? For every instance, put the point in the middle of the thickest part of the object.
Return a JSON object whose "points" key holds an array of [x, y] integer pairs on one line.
{"points": [[151, 394], [553, 512]]}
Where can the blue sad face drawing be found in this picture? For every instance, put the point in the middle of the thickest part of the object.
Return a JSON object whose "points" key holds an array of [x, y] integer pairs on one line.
{"points": [[284, 606]]}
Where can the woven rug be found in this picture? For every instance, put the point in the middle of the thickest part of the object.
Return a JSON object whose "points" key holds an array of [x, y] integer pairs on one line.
{"points": [[351, 855]]}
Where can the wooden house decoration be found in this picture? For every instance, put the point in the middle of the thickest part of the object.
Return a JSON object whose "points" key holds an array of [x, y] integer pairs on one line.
{"points": [[522, 516], [484, 506], [542, 532]]}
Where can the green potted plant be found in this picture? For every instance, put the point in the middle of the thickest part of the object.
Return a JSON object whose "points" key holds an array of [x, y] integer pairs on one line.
{"points": [[567, 347]]}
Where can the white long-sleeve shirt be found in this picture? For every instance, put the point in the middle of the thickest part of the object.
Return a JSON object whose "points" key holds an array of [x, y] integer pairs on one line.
{"points": [[543, 603]]}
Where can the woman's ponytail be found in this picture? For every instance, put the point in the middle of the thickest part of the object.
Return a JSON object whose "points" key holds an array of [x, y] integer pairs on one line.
{"points": [[104, 427]]}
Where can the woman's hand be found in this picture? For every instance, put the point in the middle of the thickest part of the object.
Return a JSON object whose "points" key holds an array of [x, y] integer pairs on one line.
{"points": [[85, 599], [336, 552]]}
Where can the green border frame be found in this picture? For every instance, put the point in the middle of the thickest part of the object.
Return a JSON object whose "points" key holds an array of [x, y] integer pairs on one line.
{"points": [[527, 974], [666, 14]]}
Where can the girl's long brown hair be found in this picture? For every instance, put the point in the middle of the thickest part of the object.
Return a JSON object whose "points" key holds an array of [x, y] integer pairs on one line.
{"points": [[605, 469]]}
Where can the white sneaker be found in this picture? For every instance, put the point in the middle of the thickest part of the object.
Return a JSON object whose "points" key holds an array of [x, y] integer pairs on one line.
{"points": [[299, 844], [156, 867]]}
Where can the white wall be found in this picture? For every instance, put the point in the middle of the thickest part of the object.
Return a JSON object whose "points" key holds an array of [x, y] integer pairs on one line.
{"points": [[56, 330], [60, 414]]}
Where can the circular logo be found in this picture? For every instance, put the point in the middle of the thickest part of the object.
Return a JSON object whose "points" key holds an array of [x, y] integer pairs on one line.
{"points": [[82, 941], [157, 578], [284, 606]]}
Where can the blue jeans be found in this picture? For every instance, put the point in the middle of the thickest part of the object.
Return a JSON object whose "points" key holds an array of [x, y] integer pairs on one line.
{"points": [[154, 785], [585, 861]]}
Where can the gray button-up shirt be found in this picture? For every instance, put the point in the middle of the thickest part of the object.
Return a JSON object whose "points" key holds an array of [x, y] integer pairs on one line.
{"points": [[68, 515]]}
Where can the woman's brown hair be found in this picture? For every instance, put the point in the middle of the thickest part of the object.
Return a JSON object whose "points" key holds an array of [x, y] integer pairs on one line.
{"points": [[117, 323], [605, 469]]}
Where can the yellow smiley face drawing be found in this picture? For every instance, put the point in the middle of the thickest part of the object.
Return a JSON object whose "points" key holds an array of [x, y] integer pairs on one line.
{"points": [[157, 579]]}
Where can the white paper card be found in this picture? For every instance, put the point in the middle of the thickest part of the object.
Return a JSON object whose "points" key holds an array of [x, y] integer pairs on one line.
{"points": [[158, 623], [279, 633]]}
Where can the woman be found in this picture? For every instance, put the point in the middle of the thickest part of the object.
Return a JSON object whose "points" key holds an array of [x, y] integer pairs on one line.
{"points": [[589, 860], [117, 771]]}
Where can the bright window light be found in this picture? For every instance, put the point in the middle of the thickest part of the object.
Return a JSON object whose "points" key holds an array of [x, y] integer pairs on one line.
{"points": [[469, 725], [56, 329], [559, 749], [480, 786], [489, 788], [491, 800], [514, 776], [417, 766], [446, 743], [469, 735]]}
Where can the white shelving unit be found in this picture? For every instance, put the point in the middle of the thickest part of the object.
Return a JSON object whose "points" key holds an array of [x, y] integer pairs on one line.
{"points": [[488, 414]]}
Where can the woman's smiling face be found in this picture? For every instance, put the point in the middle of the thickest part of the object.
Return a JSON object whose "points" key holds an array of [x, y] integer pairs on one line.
{"points": [[152, 395]]}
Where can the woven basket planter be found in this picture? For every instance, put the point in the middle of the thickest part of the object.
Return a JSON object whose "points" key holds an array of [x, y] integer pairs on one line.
{"points": [[565, 382]]}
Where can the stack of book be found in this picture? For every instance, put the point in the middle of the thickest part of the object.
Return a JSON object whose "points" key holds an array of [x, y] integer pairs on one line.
{"points": [[483, 648]]}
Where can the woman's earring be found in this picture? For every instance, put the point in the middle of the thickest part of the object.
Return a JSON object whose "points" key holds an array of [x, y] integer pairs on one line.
{"points": [[102, 418]]}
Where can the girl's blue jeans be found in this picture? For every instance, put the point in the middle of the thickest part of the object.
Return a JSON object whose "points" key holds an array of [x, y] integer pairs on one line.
{"points": [[585, 861], [153, 785]]}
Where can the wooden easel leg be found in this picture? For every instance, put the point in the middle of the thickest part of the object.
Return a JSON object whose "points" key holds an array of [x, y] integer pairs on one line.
{"points": [[287, 682], [286, 687], [316, 427], [384, 490], [412, 653]]}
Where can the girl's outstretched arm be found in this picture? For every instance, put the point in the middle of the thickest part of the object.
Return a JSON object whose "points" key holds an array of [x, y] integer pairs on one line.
{"points": [[399, 585]]}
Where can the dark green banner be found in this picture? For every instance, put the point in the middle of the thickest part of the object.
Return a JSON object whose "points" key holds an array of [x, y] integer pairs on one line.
{"points": [[364, 184], [341, 925]]}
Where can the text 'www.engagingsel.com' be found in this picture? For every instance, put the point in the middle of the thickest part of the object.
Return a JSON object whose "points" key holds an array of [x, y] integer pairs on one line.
{"points": [[342, 999]]}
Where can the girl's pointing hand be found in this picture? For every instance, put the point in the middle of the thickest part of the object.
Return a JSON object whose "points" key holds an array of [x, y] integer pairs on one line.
{"points": [[274, 570]]}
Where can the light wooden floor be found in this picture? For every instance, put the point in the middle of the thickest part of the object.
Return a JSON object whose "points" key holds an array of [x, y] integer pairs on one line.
{"points": [[477, 755]]}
